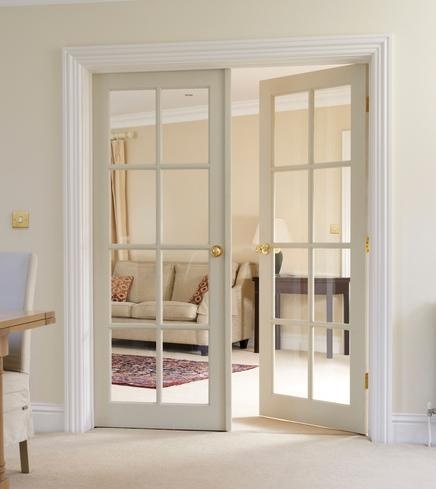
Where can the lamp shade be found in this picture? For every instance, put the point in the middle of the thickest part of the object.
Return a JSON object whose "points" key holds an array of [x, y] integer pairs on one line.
{"points": [[281, 232]]}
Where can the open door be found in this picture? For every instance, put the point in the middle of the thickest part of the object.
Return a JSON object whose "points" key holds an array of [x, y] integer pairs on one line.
{"points": [[161, 225], [313, 181]]}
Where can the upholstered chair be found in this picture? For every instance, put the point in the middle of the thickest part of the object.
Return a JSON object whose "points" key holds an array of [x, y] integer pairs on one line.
{"points": [[17, 287]]}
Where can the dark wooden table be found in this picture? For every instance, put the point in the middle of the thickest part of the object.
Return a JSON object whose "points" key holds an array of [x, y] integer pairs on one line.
{"points": [[291, 284]]}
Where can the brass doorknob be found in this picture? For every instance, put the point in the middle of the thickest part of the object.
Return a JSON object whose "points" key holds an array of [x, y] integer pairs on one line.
{"points": [[216, 251], [264, 249]]}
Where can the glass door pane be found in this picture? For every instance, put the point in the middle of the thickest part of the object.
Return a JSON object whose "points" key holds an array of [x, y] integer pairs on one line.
{"points": [[185, 125], [332, 115], [133, 120]]}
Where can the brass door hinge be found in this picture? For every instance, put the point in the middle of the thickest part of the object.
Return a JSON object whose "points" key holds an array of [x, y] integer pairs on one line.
{"points": [[367, 244], [367, 103], [366, 380]]}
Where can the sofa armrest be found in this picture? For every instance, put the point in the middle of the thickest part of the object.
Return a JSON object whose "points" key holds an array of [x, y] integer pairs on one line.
{"points": [[242, 304], [245, 273], [203, 308], [245, 281]]}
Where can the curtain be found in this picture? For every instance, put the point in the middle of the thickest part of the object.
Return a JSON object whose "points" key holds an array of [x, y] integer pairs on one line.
{"points": [[119, 199]]}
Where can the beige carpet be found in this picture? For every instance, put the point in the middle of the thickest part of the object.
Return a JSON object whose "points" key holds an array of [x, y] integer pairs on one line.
{"points": [[131, 459]]}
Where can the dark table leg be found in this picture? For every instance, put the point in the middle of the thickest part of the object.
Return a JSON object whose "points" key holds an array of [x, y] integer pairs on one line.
{"points": [[278, 339], [346, 321], [256, 318], [329, 300]]}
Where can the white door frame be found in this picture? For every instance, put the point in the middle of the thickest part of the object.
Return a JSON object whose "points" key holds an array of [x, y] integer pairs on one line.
{"points": [[79, 63]]}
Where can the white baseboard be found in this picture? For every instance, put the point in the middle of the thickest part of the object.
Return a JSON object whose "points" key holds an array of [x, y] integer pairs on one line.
{"points": [[412, 428], [406, 428], [48, 418]]}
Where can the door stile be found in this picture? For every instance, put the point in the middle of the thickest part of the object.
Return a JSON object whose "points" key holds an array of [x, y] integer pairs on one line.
{"points": [[310, 280], [159, 260]]}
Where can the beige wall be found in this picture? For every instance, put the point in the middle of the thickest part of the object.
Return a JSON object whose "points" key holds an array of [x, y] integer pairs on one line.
{"points": [[185, 192], [31, 131]]}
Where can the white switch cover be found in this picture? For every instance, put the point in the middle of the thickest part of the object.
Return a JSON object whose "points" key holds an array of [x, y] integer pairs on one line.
{"points": [[335, 229]]}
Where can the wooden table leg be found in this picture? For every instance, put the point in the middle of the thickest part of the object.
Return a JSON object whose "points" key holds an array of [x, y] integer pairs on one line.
{"points": [[4, 481]]}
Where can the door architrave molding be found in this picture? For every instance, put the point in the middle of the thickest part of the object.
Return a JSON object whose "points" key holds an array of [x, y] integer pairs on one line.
{"points": [[79, 64]]}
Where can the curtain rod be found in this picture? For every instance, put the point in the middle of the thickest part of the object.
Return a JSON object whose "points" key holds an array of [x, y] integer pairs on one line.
{"points": [[124, 135]]}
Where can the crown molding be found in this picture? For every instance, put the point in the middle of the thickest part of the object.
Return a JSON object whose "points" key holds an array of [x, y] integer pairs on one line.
{"points": [[28, 3], [331, 98]]}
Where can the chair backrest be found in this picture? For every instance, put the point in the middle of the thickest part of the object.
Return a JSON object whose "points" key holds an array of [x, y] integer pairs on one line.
{"points": [[17, 290]]}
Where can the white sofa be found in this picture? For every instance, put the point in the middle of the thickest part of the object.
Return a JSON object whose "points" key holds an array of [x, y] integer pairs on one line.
{"points": [[180, 281]]}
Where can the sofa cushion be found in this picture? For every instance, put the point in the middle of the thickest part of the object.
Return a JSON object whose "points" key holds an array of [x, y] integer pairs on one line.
{"points": [[120, 288], [144, 275], [172, 311], [188, 276], [122, 309]]}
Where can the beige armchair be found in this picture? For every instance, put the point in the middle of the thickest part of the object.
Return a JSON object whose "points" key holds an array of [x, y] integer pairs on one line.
{"points": [[17, 287]]}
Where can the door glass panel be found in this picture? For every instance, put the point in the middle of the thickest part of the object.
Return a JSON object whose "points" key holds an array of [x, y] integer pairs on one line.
{"points": [[332, 116], [133, 289], [291, 285], [133, 123], [133, 204], [331, 205], [331, 373], [133, 365], [185, 125], [332, 287], [185, 206], [185, 367], [291, 129], [290, 206], [291, 360]]}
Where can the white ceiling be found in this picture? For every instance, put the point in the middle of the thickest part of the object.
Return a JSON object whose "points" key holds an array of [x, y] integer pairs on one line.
{"points": [[245, 87]]}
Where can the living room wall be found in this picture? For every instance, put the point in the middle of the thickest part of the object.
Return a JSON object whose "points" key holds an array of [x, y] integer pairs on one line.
{"points": [[31, 129], [185, 192]]}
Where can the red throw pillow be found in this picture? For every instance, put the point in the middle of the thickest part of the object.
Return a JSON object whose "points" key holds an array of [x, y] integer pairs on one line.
{"points": [[202, 288], [121, 287]]}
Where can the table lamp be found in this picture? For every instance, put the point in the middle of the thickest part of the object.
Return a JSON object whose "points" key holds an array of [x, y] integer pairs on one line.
{"points": [[281, 235]]}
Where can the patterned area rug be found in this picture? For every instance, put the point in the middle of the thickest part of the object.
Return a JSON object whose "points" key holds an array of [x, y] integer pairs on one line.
{"points": [[140, 371]]}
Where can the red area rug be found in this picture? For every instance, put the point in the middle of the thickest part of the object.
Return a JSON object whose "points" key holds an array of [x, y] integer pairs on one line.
{"points": [[140, 371]]}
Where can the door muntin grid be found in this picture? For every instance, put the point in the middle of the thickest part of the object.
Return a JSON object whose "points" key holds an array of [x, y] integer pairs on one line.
{"points": [[154, 237], [308, 283]]}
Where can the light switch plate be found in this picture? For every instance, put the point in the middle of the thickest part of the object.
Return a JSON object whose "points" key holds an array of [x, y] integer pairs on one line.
{"points": [[20, 219], [335, 229]]}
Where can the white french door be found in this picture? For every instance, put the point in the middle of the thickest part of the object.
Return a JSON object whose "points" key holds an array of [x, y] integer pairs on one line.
{"points": [[159, 211], [313, 219]]}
